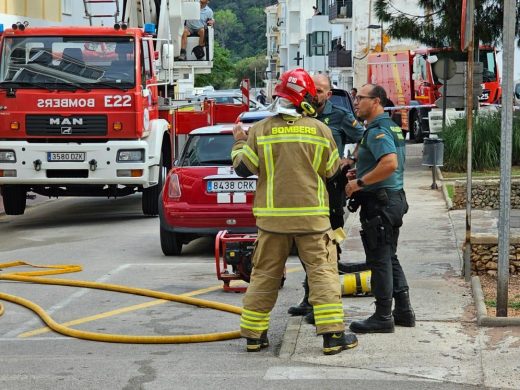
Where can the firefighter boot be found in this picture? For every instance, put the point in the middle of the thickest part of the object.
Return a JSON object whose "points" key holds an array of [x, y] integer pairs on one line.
{"points": [[304, 307], [309, 318], [334, 343], [379, 322], [255, 345], [403, 312]]}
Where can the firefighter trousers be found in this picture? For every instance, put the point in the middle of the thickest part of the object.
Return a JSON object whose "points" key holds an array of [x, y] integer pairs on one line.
{"points": [[318, 252]]}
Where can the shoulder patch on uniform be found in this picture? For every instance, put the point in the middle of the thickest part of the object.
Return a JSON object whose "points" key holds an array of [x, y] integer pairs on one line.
{"points": [[380, 135], [355, 123], [326, 121]]}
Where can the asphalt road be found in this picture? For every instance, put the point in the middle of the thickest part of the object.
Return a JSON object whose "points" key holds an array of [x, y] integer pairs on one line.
{"points": [[114, 243]]}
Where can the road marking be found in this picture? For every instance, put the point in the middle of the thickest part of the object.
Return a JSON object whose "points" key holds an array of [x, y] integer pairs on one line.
{"points": [[122, 310], [328, 373], [34, 322]]}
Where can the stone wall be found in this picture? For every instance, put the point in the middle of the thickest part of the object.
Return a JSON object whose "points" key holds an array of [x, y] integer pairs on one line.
{"points": [[485, 194], [484, 254]]}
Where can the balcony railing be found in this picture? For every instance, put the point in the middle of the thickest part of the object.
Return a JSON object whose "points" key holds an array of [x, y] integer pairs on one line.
{"points": [[340, 9], [340, 58]]}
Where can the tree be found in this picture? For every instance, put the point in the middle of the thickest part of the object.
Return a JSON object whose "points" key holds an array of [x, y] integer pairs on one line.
{"points": [[252, 68], [439, 25], [226, 26], [222, 75]]}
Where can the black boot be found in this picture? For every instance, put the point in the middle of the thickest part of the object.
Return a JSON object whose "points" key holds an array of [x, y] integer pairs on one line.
{"points": [[334, 343], [403, 312], [255, 345], [304, 307], [379, 322], [309, 318]]}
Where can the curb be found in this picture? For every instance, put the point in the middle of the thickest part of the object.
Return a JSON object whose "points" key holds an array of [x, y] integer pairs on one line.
{"points": [[449, 203], [482, 318], [290, 337]]}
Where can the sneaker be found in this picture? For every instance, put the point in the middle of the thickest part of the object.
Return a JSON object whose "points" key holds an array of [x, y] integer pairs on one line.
{"points": [[334, 343], [255, 345], [181, 57]]}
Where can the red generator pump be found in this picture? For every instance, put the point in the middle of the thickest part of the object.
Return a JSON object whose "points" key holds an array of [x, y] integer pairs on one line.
{"points": [[234, 259]]}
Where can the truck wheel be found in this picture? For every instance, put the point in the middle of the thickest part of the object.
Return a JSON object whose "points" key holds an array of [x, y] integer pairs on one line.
{"points": [[15, 199], [417, 128], [171, 243], [150, 200]]}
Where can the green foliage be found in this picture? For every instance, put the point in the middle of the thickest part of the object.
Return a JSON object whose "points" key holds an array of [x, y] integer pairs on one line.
{"points": [[511, 304], [451, 190], [245, 35], [486, 144], [442, 28], [252, 68], [226, 26], [222, 74]]}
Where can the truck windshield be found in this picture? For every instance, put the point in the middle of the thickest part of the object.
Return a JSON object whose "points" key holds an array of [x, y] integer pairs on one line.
{"points": [[487, 58], [56, 62]]}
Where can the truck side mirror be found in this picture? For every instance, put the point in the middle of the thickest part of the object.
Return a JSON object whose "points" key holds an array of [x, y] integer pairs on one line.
{"points": [[167, 57]]}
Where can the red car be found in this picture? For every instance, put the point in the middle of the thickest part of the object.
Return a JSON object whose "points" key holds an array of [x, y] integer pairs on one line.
{"points": [[202, 194]]}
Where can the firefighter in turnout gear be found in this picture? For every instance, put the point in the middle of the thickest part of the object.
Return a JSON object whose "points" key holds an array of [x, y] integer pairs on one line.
{"points": [[345, 130], [379, 191], [293, 155]]}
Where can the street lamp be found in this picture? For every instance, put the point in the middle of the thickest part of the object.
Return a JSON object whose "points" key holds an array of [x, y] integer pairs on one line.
{"points": [[376, 27]]}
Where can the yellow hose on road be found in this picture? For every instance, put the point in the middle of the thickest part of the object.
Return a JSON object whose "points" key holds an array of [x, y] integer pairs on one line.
{"points": [[33, 277]]}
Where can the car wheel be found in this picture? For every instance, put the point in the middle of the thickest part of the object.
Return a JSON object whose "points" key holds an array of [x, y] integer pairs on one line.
{"points": [[150, 200], [14, 198], [171, 243]]}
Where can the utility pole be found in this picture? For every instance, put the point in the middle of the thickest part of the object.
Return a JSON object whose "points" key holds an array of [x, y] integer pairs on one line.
{"points": [[505, 157]]}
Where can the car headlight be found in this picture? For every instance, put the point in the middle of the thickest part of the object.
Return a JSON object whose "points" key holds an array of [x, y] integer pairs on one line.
{"points": [[130, 155], [7, 156]]}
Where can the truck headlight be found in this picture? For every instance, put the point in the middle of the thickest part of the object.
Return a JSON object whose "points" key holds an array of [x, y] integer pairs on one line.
{"points": [[130, 155], [7, 156]]}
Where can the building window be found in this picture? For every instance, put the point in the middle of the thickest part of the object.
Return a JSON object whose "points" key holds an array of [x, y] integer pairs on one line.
{"points": [[66, 6], [309, 45], [320, 43]]}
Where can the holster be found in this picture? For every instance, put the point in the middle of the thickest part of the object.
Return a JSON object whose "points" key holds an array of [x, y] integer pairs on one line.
{"points": [[376, 237]]}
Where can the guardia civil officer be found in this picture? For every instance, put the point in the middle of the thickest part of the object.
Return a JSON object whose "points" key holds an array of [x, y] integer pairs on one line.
{"points": [[379, 191], [293, 155], [345, 130]]}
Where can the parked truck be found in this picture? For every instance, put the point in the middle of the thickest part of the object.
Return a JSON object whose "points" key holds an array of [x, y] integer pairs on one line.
{"points": [[85, 111], [409, 80]]}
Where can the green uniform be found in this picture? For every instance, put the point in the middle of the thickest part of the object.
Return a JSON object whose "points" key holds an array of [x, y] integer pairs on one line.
{"points": [[345, 127], [383, 205], [382, 137]]}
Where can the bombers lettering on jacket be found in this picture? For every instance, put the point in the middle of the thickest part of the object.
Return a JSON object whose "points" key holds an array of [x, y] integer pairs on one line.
{"points": [[293, 162]]}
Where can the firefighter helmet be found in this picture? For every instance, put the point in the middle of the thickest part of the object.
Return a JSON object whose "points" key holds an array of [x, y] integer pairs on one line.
{"points": [[298, 87]]}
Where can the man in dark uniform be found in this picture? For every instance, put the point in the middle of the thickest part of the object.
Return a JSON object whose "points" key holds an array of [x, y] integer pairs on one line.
{"points": [[345, 130], [379, 191]]}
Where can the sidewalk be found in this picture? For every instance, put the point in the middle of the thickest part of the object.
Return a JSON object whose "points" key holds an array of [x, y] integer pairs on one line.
{"points": [[446, 345]]}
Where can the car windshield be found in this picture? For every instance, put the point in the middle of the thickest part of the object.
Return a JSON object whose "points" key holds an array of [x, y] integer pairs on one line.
{"points": [[208, 149], [58, 62]]}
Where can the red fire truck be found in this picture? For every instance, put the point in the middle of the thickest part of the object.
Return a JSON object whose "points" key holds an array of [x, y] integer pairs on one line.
{"points": [[84, 111], [409, 80]]}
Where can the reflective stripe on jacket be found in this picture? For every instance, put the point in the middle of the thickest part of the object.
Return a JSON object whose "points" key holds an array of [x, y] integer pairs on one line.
{"points": [[292, 161]]}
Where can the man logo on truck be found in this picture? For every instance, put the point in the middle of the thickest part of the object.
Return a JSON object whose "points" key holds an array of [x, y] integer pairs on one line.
{"points": [[66, 121]]}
